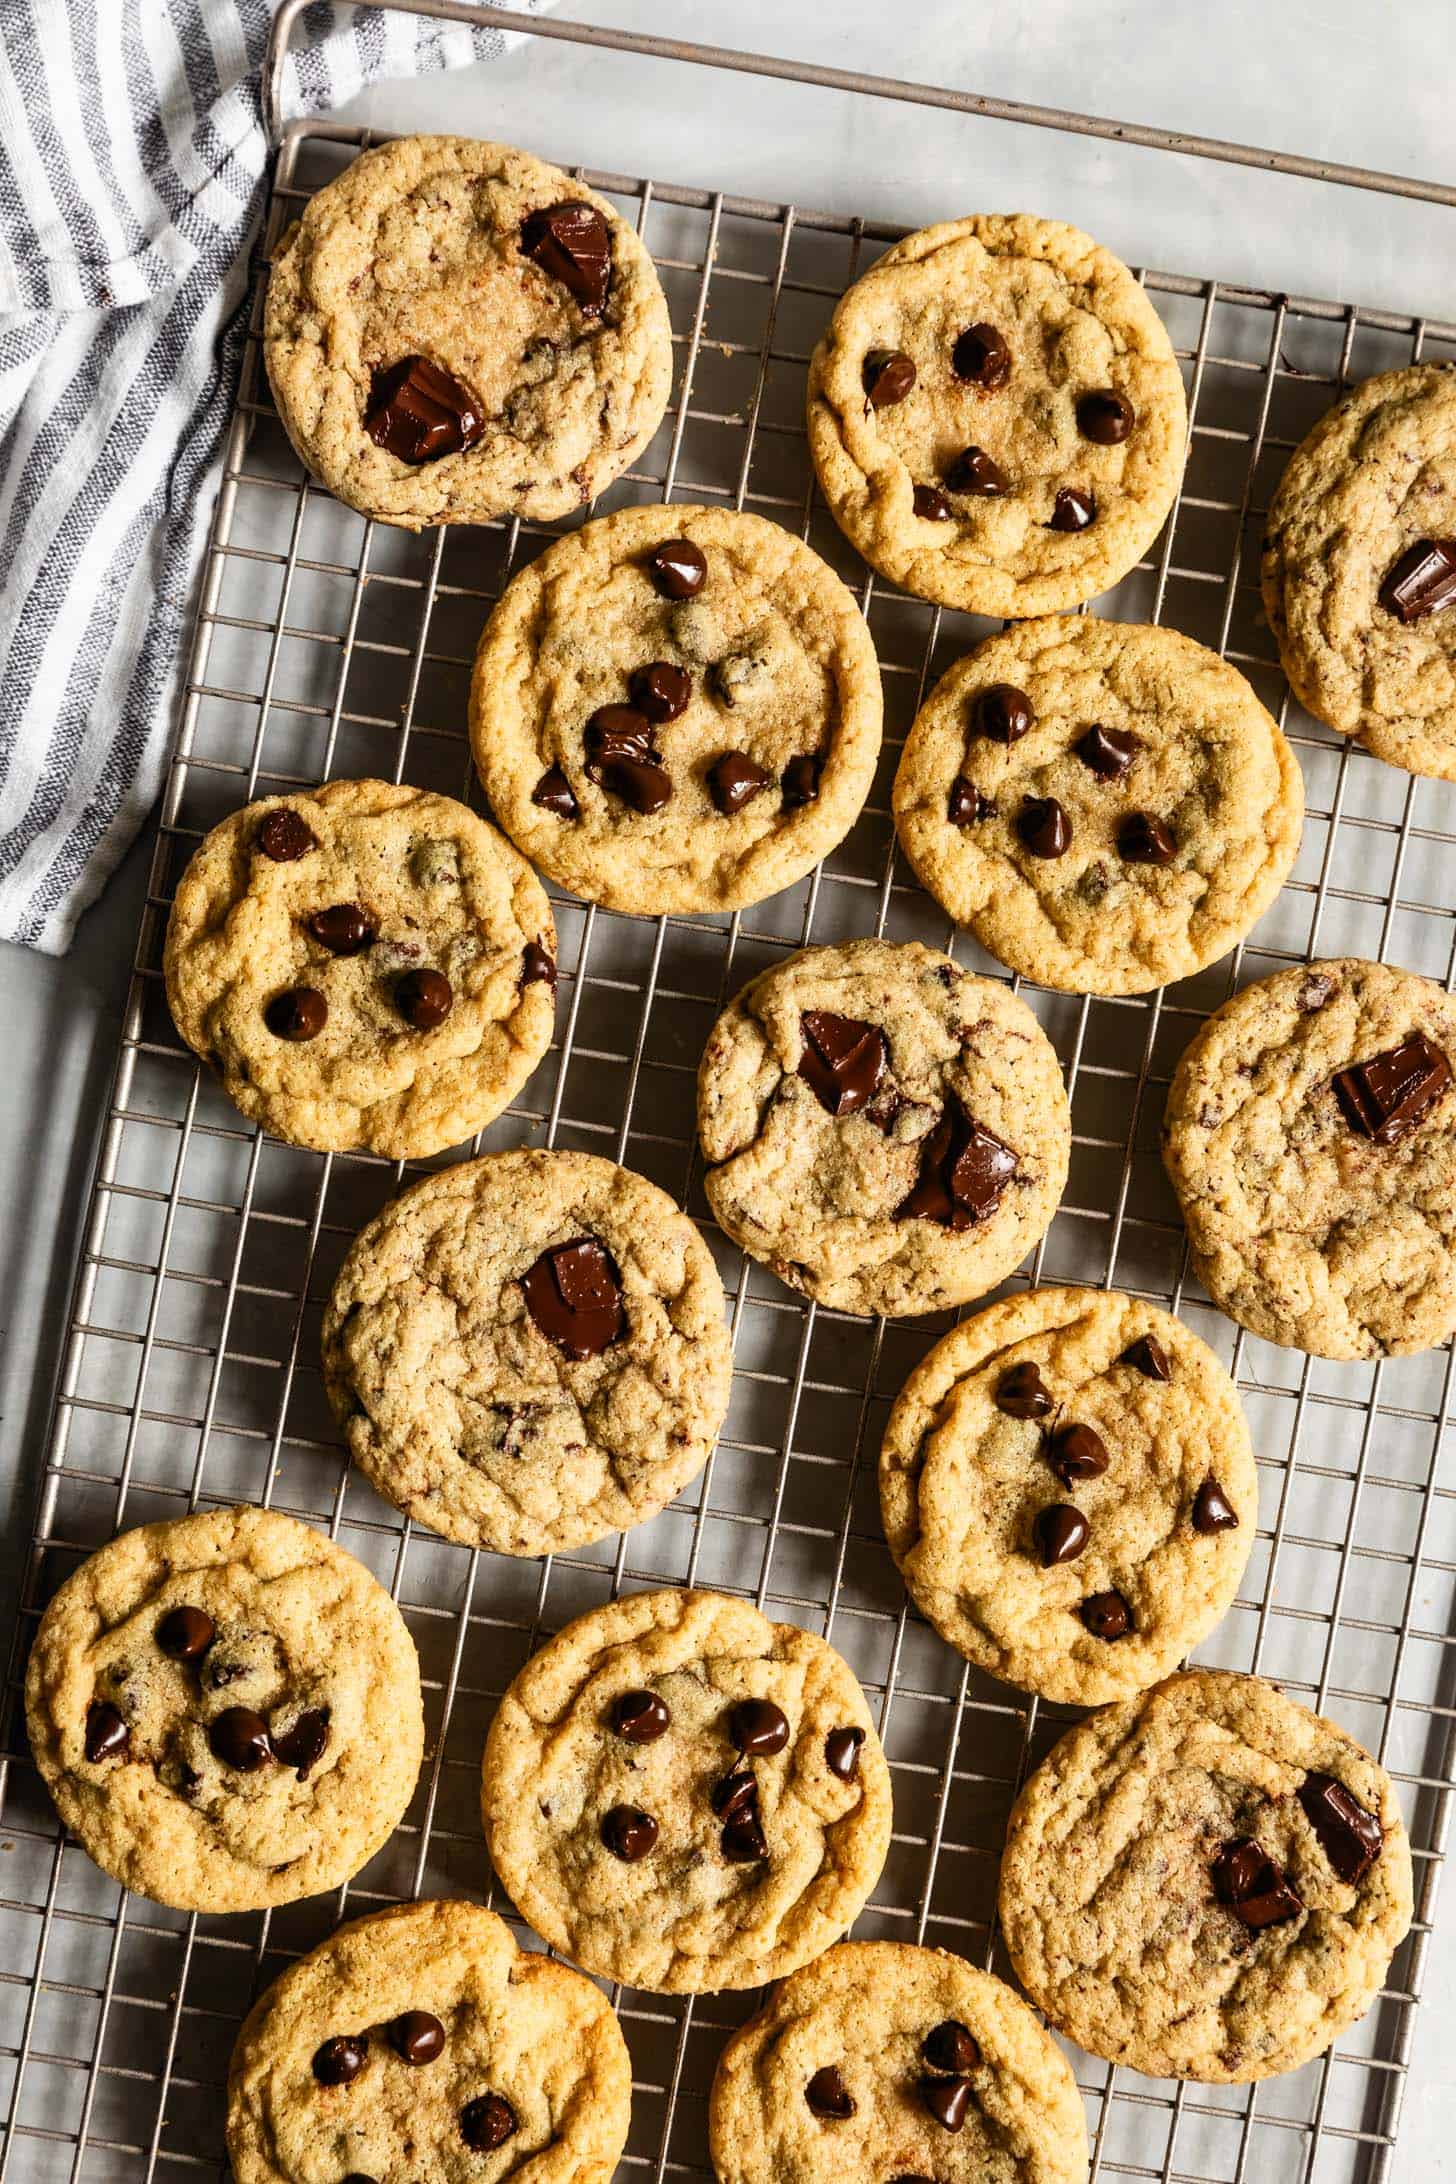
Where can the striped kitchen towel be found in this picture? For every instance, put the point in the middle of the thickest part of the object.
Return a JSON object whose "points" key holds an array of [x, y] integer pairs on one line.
{"points": [[132, 157]]}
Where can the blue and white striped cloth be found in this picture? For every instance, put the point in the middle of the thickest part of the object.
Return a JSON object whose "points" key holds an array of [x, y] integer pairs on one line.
{"points": [[132, 157]]}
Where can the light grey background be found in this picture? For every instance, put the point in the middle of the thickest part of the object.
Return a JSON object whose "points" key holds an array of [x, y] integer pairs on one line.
{"points": [[1352, 80]]}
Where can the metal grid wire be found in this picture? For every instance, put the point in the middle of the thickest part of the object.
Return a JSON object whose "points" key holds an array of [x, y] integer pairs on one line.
{"points": [[329, 645]]}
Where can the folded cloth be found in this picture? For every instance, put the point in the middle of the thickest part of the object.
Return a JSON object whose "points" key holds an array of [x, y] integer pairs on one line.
{"points": [[132, 158]]}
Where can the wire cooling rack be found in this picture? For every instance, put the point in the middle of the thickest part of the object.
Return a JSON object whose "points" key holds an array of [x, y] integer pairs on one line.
{"points": [[330, 646]]}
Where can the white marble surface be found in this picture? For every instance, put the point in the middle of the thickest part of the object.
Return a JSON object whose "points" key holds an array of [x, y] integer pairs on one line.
{"points": [[1339, 79]]}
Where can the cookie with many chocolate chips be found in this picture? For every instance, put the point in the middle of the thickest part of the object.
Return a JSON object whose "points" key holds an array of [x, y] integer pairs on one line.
{"points": [[1310, 1135], [528, 1352], [457, 331], [676, 709], [1106, 805], [996, 416], [885, 1131], [365, 966], [1208, 1882], [887, 2062], [226, 1710], [1359, 568], [419, 2040], [682, 1795], [1068, 1488]]}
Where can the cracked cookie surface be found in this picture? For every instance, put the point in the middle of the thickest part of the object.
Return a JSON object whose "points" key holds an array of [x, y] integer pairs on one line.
{"points": [[422, 2041], [1106, 805], [886, 2029], [226, 1710], [682, 1795], [1022, 451], [922, 1173], [1068, 1488], [472, 1394], [676, 709], [1367, 636], [416, 251], [1312, 1221], [366, 966], [1138, 1922]]}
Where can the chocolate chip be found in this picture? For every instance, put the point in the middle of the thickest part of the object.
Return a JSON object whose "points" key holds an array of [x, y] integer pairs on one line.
{"points": [[1142, 839], [1105, 416], [742, 1839], [640, 1717], [1077, 1453], [344, 929], [1044, 827], [574, 1295], [800, 780], [964, 1169], [628, 1832], [1385, 1098], [303, 1745], [1212, 1509], [953, 2047], [424, 999], [1106, 1615], [734, 780], [841, 1752], [298, 1013], [734, 1792], [554, 793], [965, 805], [661, 690], [186, 1633], [1073, 510], [417, 2037], [537, 968], [283, 834], [1002, 712], [357, 2176], [904, 2179], [888, 376], [1422, 581], [1350, 1836], [487, 2122], [621, 757], [931, 505], [758, 1728], [947, 2100], [418, 411], [973, 471], [1108, 751], [843, 1060], [107, 1735], [1022, 1393], [1249, 1882], [239, 1738], [340, 2060], [1060, 1532], [829, 2096], [572, 243], [678, 568], [1148, 1357], [981, 358]]}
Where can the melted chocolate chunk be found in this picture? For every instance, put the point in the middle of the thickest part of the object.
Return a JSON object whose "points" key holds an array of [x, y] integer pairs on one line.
{"points": [[344, 929], [487, 2122], [1105, 417], [1108, 751], [734, 1793], [1148, 1357], [828, 2095], [1060, 1532], [758, 1728], [554, 793], [800, 780], [1002, 712], [661, 690], [1250, 1883], [1022, 1393], [574, 1295], [1077, 1453], [1044, 827], [298, 1013], [965, 805], [1385, 1098], [980, 357], [931, 505], [239, 1738], [416, 2037], [641, 1717], [424, 999], [620, 756], [573, 243], [1106, 1615], [888, 377], [186, 1633], [964, 1170], [742, 1840], [537, 968], [1073, 510], [340, 2060], [947, 2100], [734, 780], [419, 412], [1350, 1836], [283, 834], [952, 2047], [678, 568], [304, 1744], [843, 1060], [1212, 1509], [1422, 581], [1142, 839], [974, 472], [841, 1752], [629, 1833], [107, 1735]]}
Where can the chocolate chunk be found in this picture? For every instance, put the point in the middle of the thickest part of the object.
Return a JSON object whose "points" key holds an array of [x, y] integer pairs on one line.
{"points": [[416, 2037], [1044, 827], [828, 2095], [800, 780], [424, 999], [303, 1745], [283, 834], [1250, 1883], [1022, 1393], [1108, 751], [1148, 1357], [947, 2100], [964, 1169], [841, 1752], [981, 358], [1106, 1615], [107, 1735], [573, 243], [554, 793], [487, 2122], [574, 1295], [758, 1728], [1060, 1532], [965, 805], [678, 568], [735, 1792], [239, 1738], [298, 1013], [1315, 989], [742, 1840], [357, 2176], [537, 968], [1077, 1453], [1350, 1836], [340, 2060], [640, 1717], [1385, 1098], [1002, 712], [904, 2179], [344, 929], [629, 1833], [1105, 416], [843, 1060], [953, 2047], [621, 757], [1422, 581], [1073, 510], [734, 780], [1142, 839], [931, 505], [1212, 1509], [974, 472], [419, 412], [888, 376], [661, 690], [186, 1633]]}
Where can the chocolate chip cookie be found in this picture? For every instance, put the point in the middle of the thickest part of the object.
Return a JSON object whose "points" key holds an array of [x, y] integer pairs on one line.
{"points": [[1107, 805], [528, 1352], [996, 416], [365, 966], [676, 709], [226, 1710], [884, 1130], [1359, 568], [457, 331], [883, 2061], [685, 1796], [1208, 1882], [420, 2042], [1068, 1487], [1310, 1135]]}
